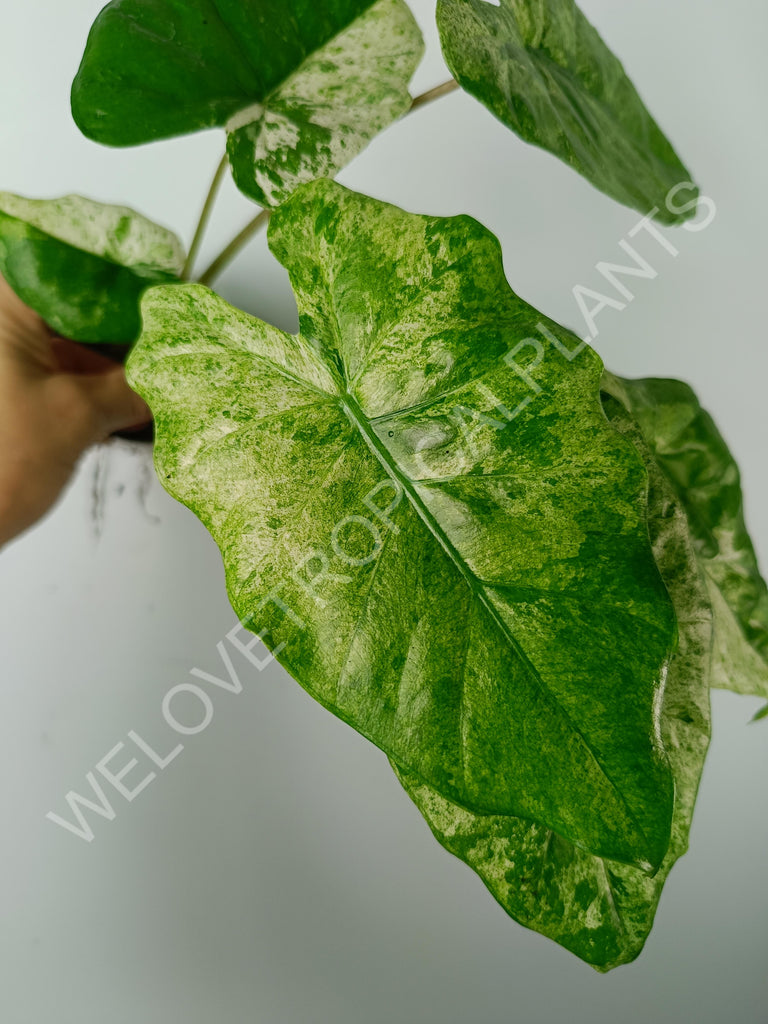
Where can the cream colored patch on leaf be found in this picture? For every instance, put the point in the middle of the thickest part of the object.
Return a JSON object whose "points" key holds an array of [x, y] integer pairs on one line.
{"points": [[330, 108], [115, 233]]}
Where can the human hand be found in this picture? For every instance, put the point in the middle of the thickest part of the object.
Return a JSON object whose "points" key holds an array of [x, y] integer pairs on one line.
{"points": [[57, 398]]}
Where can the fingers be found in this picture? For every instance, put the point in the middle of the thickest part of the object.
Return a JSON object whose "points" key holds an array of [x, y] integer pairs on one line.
{"points": [[8, 296], [15, 309], [24, 337], [85, 393], [108, 402], [73, 357]]}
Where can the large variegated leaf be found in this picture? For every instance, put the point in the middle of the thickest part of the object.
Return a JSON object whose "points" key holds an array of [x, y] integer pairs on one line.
{"points": [[301, 86], [691, 452], [600, 910], [543, 70], [83, 265], [449, 553]]}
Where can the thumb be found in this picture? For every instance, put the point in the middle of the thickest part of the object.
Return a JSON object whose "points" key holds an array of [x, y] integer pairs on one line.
{"points": [[111, 403]]}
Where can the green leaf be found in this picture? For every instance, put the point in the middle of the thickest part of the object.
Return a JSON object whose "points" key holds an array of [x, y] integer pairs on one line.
{"points": [[543, 70], [301, 86], [83, 265], [600, 910], [691, 452], [460, 572]]}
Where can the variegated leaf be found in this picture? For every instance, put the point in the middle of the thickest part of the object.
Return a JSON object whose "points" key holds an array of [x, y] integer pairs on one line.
{"points": [[543, 70], [83, 265], [690, 450], [448, 553], [601, 910], [301, 86]]}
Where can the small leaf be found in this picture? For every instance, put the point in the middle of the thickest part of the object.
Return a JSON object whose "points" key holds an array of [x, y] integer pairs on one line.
{"points": [[486, 609], [83, 265], [301, 86], [689, 449], [543, 70], [600, 910]]}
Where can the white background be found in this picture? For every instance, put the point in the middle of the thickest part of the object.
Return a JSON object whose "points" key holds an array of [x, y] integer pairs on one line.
{"points": [[275, 872]]}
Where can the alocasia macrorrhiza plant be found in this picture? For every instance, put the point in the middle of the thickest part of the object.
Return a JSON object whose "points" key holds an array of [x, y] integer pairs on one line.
{"points": [[516, 573]]}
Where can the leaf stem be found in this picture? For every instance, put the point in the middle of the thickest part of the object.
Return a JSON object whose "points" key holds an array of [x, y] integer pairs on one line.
{"points": [[252, 227], [433, 94], [230, 251], [205, 216]]}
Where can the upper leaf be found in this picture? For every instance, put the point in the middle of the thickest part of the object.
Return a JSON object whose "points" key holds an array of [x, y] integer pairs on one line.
{"points": [[600, 910], [691, 452], [82, 265], [457, 570], [301, 85], [544, 71]]}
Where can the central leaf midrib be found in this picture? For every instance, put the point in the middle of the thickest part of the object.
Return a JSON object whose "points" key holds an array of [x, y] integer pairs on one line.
{"points": [[382, 453], [358, 418]]}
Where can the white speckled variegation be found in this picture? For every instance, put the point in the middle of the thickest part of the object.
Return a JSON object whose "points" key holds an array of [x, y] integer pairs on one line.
{"points": [[330, 108], [507, 637], [115, 233], [82, 265]]}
